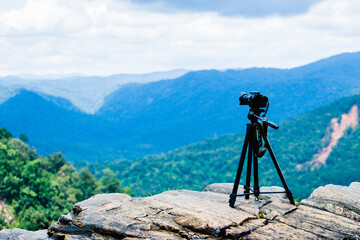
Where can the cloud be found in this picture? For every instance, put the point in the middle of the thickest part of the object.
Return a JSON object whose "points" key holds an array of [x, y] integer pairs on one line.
{"points": [[93, 37], [253, 8]]}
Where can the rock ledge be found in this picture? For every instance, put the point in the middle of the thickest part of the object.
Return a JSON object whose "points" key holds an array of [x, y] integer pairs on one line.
{"points": [[331, 212]]}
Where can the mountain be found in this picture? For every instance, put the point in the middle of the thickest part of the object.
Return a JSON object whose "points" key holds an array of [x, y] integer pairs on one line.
{"points": [[79, 136], [86, 93], [204, 103], [313, 149], [155, 117], [46, 123]]}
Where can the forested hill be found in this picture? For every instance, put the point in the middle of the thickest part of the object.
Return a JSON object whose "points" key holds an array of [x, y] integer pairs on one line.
{"points": [[300, 145], [156, 117], [207, 101], [36, 190], [53, 128]]}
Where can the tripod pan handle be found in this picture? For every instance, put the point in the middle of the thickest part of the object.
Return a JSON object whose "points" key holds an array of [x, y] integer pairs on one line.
{"points": [[273, 125]]}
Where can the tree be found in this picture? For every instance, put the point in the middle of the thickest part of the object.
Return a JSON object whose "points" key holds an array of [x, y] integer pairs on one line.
{"points": [[109, 183], [54, 162], [23, 137], [87, 183], [40, 189], [4, 133]]}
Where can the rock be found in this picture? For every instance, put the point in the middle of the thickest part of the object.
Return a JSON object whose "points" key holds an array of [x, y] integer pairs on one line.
{"points": [[205, 215], [321, 223], [276, 208], [246, 228], [20, 234], [344, 201], [169, 215], [226, 188]]}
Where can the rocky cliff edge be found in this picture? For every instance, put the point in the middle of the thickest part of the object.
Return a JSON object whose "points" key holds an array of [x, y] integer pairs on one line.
{"points": [[331, 212]]}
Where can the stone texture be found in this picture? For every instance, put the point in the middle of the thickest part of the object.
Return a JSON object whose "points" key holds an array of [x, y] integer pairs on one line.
{"points": [[20, 234], [207, 215], [169, 215], [344, 201], [276, 230], [321, 223]]}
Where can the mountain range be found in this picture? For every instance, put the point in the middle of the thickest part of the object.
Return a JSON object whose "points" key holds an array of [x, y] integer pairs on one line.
{"points": [[86, 93], [138, 119], [316, 148]]}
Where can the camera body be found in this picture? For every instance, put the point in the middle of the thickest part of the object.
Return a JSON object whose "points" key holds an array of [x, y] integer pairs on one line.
{"points": [[254, 99]]}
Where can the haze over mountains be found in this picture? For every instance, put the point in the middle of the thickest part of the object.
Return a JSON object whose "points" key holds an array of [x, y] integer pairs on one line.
{"points": [[146, 118], [85, 93]]}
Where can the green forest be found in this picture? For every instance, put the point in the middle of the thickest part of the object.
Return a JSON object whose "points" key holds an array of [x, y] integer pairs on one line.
{"points": [[37, 189], [216, 159]]}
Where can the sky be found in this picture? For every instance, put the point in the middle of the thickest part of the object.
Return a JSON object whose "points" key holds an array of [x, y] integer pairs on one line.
{"points": [[105, 37]]}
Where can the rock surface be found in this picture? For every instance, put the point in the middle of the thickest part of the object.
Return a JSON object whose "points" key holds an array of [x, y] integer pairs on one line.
{"points": [[20, 234], [331, 212], [344, 201]]}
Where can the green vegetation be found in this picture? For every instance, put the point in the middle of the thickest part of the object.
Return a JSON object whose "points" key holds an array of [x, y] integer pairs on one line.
{"points": [[23, 137], [215, 160], [38, 189]]}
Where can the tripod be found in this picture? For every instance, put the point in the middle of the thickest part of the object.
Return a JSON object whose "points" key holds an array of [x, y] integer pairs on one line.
{"points": [[255, 133]]}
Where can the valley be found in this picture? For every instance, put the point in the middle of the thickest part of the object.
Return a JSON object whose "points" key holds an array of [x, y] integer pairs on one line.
{"points": [[150, 118]]}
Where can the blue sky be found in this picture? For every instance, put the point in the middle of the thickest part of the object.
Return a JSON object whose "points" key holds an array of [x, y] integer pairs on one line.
{"points": [[104, 37], [247, 8]]}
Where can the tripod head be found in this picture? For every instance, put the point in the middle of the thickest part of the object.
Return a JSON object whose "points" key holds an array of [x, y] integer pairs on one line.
{"points": [[259, 104], [261, 129], [254, 116]]}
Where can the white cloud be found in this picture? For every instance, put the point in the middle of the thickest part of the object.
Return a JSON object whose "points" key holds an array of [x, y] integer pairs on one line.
{"points": [[94, 37]]}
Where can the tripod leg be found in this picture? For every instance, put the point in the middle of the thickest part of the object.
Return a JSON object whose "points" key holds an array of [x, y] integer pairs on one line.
{"points": [[287, 190], [240, 167], [248, 172], [256, 171]]}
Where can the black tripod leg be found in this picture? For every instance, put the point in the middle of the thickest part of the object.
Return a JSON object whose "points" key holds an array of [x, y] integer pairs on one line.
{"points": [[287, 190], [240, 167], [256, 171], [248, 172]]}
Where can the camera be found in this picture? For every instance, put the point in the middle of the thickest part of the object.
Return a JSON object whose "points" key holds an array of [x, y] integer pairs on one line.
{"points": [[254, 99]]}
